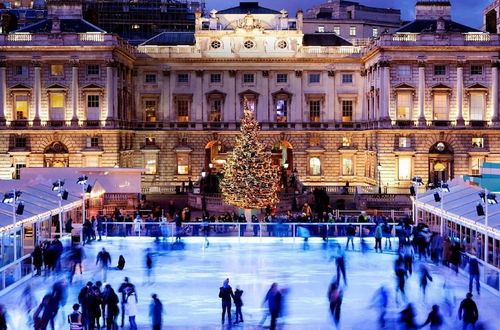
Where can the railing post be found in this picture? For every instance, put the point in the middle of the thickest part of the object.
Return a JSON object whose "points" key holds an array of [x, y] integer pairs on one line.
{"points": [[293, 229], [260, 231], [239, 231]]}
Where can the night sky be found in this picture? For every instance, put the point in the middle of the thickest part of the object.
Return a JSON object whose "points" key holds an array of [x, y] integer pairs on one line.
{"points": [[468, 12]]}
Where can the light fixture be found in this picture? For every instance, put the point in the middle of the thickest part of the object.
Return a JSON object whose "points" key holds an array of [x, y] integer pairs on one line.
{"points": [[417, 181], [9, 198], [82, 180], [64, 195], [479, 210], [20, 208], [89, 189], [203, 174], [412, 191], [285, 166], [492, 199], [445, 187], [379, 166], [482, 195], [210, 165], [437, 198], [116, 165], [57, 185]]}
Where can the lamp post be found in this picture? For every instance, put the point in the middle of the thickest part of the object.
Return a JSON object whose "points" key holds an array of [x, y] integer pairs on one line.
{"points": [[11, 198], [486, 198], [416, 183], [57, 186], [444, 188], [379, 169]]}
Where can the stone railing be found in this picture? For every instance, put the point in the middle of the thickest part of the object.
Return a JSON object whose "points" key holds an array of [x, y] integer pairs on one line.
{"points": [[406, 37], [436, 39], [97, 37]]}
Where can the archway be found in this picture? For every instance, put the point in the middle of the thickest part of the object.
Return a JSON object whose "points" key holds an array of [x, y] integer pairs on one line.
{"points": [[440, 163], [491, 21], [215, 156], [56, 155], [283, 155]]}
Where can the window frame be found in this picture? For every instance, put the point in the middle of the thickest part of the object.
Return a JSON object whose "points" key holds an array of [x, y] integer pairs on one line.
{"points": [[481, 113], [281, 78], [447, 106], [216, 81], [93, 66], [409, 109], [345, 107], [342, 168], [353, 31], [184, 80], [437, 70], [408, 171], [347, 78], [310, 79], [148, 80], [53, 71], [404, 73], [476, 73], [245, 79], [314, 169], [315, 106]]}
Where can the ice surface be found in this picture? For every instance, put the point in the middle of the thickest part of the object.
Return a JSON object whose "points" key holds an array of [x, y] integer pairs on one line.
{"points": [[187, 281]]}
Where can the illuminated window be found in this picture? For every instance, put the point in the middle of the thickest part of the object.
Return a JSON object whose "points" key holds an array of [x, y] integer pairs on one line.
{"points": [[314, 78], [21, 107], [56, 69], [404, 70], [215, 78], [182, 164], [281, 78], [93, 70], [476, 164], [347, 110], [347, 166], [314, 166], [477, 142], [404, 168], [314, 110], [215, 110], [336, 30], [321, 28], [404, 142], [150, 141], [93, 107], [404, 101], [56, 106], [346, 142], [374, 32], [150, 110], [150, 78], [477, 105], [248, 78], [150, 162], [183, 110], [352, 31], [440, 106], [282, 110]]}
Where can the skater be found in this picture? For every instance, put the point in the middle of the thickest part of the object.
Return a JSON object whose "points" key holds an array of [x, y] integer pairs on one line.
{"points": [[468, 312], [149, 265], [37, 256], [156, 312], [273, 299], [340, 262], [381, 300], [103, 260], [178, 228], [137, 225], [424, 276], [435, 319], [387, 232], [378, 238], [83, 299], [76, 258], [408, 254], [123, 290], [408, 318], [121, 262], [474, 274], [226, 294], [351, 231], [335, 298], [401, 275], [131, 307], [3, 318], [75, 319], [110, 301], [238, 303]]}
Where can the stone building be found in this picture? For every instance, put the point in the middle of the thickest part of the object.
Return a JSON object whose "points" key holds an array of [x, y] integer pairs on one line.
{"points": [[351, 20], [420, 101]]}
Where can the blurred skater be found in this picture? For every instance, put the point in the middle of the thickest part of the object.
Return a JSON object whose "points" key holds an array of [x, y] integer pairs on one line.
{"points": [[123, 290], [400, 270], [103, 260], [335, 299], [434, 319], [156, 312], [149, 265], [238, 303], [468, 312], [226, 294], [408, 318], [380, 301], [121, 262], [474, 274], [273, 299], [424, 278]]}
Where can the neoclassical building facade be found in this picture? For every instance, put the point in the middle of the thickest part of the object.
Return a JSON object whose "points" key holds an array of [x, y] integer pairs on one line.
{"points": [[420, 101]]}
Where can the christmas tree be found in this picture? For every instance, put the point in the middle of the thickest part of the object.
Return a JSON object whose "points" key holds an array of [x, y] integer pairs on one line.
{"points": [[250, 178]]}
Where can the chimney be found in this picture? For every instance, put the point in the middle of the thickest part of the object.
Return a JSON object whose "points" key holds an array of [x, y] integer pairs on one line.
{"points": [[440, 25], [433, 10]]}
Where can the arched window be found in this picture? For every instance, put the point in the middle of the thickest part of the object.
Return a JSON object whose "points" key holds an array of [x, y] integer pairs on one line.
{"points": [[314, 166]]}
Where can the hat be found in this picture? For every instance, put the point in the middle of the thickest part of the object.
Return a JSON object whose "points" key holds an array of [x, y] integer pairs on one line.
{"points": [[469, 295]]}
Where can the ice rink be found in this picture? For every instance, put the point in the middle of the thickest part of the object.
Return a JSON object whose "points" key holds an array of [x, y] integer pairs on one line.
{"points": [[187, 281]]}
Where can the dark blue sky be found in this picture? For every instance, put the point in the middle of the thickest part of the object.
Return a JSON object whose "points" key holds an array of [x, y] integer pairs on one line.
{"points": [[468, 12]]}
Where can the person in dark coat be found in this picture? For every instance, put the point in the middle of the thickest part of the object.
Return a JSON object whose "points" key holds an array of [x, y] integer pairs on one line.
{"points": [[455, 257], [123, 290], [37, 256], [274, 299], [408, 318], [156, 312], [238, 302], [110, 301], [226, 294], [3, 318], [424, 278], [121, 262], [335, 299], [103, 260], [94, 307], [83, 300], [468, 312], [435, 319], [474, 274]]}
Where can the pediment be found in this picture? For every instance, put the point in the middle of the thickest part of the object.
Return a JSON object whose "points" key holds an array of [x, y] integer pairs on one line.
{"points": [[92, 86], [248, 91], [20, 86], [404, 86], [215, 92], [441, 86], [57, 86], [477, 86], [281, 91]]}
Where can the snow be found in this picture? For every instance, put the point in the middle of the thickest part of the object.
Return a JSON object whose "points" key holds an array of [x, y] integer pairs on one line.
{"points": [[187, 281]]}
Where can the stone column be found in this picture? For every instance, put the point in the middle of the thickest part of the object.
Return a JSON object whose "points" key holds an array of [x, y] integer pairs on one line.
{"points": [[460, 93], [37, 92], [262, 114], [3, 91], [494, 93], [385, 92], [364, 91], [330, 96], [165, 95], [109, 92], [74, 92], [197, 106], [421, 93]]}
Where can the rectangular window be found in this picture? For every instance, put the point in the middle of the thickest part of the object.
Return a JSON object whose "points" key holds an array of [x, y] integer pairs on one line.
{"points": [[150, 78], [182, 164], [404, 142], [150, 141], [182, 78], [150, 109], [93, 70], [336, 30], [150, 163], [93, 107], [352, 31], [56, 69], [281, 78], [248, 78], [477, 142], [281, 111], [476, 106], [314, 78], [476, 164], [321, 28], [404, 168], [20, 71], [18, 171], [439, 70], [404, 106], [476, 70], [441, 106], [314, 110], [94, 142], [20, 142], [56, 106], [216, 110], [215, 78], [93, 101], [404, 70], [347, 78], [21, 107], [347, 166], [183, 110], [346, 110], [374, 32]]}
